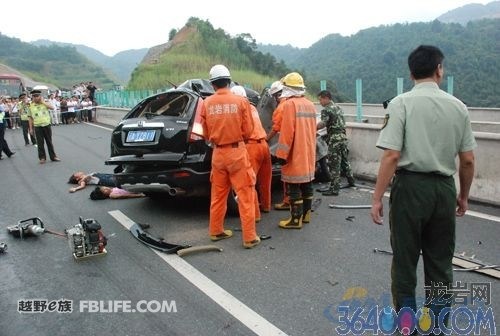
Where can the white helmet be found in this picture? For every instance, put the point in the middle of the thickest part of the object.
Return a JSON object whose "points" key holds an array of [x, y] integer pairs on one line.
{"points": [[219, 71], [275, 87], [239, 90]]}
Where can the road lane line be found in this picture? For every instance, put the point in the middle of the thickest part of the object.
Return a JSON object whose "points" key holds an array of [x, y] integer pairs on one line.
{"points": [[483, 216], [247, 316], [92, 124]]}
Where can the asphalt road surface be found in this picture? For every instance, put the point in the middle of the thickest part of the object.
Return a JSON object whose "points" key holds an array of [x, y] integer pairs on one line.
{"points": [[292, 284]]}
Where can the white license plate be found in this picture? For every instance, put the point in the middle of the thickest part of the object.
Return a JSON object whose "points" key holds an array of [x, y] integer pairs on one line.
{"points": [[140, 136]]}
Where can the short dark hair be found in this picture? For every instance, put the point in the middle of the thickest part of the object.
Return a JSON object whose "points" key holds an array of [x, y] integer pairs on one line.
{"points": [[424, 60], [97, 194], [72, 179], [221, 83], [325, 94]]}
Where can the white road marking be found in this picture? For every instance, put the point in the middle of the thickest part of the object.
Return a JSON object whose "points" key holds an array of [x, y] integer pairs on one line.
{"points": [[255, 322], [483, 216], [92, 124]]}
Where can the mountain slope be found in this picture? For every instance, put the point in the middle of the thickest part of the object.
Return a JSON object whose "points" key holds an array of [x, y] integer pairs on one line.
{"points": [[118, 67], [57, 65], [472, 12], [195, 48]]}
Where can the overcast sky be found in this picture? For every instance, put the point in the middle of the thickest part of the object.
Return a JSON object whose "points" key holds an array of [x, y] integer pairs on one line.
{"points": [[113, 26]]}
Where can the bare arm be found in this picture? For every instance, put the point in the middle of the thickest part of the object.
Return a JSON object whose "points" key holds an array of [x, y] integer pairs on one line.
{"points": [[388, 165], [82, 184], [30, 123], [127, 195], [465, 176]]}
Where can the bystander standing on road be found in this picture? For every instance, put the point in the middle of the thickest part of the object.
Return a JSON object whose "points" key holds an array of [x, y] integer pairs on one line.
{"points": [[227, 123], [39, 121], [4, 147], [424, 131], [297, 150], [23, 109], [54, 113], [332, 118]]}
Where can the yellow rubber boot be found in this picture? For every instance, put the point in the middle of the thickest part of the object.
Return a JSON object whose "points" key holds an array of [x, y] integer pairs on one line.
{"points": [[295, 220], [306, 212], [282, 206]]}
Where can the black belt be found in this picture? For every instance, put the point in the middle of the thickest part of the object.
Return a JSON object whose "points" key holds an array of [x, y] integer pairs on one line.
{"points": [[252, 141], [233, 145], [409, 172]]}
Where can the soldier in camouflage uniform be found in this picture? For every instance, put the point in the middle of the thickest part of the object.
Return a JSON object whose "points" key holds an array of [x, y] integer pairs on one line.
{"points": [[332, 118]]}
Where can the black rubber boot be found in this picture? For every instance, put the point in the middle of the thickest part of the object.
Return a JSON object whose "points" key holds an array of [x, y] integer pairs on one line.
{"points": [[295, 220], [306, 215]]}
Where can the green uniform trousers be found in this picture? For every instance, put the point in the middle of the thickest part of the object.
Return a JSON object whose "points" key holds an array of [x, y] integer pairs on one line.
{"points": [[422, 218]]}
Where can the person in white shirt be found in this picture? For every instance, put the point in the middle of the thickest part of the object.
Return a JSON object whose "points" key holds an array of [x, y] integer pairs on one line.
{"points": [[72, 104], [87, 109], [54, 114]]}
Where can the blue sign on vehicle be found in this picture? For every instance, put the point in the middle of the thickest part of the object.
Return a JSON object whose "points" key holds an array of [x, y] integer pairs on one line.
{"points": [[140, 136]]}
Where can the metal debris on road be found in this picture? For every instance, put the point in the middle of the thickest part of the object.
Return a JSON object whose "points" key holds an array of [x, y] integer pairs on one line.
{"points": [[345, 206]]}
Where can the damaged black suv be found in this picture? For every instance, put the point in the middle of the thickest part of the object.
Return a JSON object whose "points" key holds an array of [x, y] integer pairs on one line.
{"points": [[156, 147]]}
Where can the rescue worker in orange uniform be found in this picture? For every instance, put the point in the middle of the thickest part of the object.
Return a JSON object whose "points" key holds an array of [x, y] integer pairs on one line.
{"points": [[297, 150], [227, 122], [275, 91], [260, 158]]}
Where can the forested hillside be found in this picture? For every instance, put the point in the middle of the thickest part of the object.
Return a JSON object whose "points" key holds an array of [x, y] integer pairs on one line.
{"points": [[118, 67], [195, 48], [378, 56], [58, 65]]}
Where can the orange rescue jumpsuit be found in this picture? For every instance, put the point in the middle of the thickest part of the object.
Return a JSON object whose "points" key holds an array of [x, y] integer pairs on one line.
{"points": [[297, 141], [260, 158], [227, 121]]}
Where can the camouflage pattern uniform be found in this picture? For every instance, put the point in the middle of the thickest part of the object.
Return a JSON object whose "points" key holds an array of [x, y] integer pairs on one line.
{"points": [[333, 117]]}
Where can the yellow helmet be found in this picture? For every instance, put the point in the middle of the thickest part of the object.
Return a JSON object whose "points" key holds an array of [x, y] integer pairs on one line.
{"points": [[293, 79]]}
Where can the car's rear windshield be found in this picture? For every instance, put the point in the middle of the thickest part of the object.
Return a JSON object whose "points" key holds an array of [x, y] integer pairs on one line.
{"points": [[168, 104]]}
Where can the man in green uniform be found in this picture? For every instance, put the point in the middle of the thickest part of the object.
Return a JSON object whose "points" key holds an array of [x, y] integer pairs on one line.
{"points": [[332, 118], [425, 129], [23, 108], [39, 120]]}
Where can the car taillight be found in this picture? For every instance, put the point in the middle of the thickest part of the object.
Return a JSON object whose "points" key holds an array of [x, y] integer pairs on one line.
{"points": [[181, 174], [197, 130]]}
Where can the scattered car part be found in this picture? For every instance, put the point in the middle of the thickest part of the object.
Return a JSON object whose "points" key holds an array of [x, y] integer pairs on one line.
{"points": [[156, 243], [376, 250], [344, 206], [3, 247], [468, 264], [86, 239], [471, 264], [195, 249], [160, 245]]}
